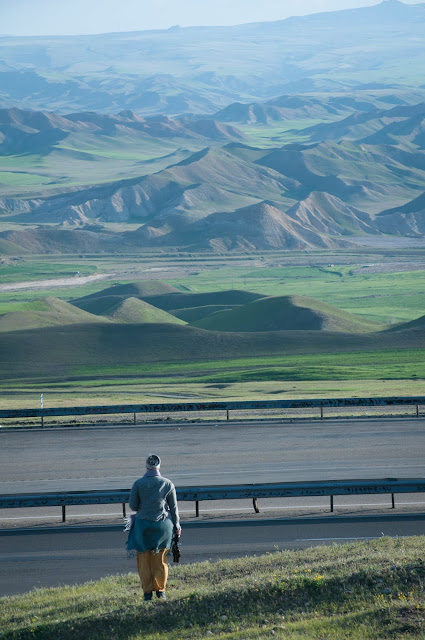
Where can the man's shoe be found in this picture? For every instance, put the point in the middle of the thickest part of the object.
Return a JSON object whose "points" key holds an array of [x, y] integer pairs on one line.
{"points": [[161, 595], [148, 595]]}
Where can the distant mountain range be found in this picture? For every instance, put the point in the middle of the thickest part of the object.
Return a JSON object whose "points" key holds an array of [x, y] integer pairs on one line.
{"points": [[301, 134], [39, 132], [203, 69], [366, 178], [320, 106]]}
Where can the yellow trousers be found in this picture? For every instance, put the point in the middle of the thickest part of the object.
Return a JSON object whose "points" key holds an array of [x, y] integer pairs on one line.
{"points": [[153, 570]]}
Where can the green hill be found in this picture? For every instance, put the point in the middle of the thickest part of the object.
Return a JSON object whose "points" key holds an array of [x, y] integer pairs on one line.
{"points": [[135, 311], [10, 248], [47, 312], [418, 324], [178, 301], [192, 314], [287, 313], [163, 296], [138, 289], [98, 306]]}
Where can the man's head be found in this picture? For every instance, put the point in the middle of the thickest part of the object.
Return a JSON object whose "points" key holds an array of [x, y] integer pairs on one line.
{"points": [[153, 461]]}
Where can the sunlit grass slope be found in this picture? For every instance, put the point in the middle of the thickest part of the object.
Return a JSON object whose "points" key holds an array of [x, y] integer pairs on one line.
{"points": [[360, 591], [47, 312], [135, 311]]}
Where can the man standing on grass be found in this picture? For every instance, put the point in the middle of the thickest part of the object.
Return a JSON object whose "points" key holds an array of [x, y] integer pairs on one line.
{"points": [[157, 518]]}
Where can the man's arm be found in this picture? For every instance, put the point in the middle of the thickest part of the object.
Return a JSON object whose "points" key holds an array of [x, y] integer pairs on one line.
{"points": [[174, 510], [134, 500]]}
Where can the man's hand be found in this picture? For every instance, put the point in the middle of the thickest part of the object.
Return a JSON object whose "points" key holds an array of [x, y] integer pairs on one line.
{"points": [[178, 531]]}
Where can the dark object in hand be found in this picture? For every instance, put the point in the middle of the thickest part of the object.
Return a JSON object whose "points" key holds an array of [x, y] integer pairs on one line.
{"points": [[175, 548]]}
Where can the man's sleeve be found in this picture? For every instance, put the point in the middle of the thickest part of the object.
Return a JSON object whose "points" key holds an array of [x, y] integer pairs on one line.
{"points": [[134, 500], [174, 510]]}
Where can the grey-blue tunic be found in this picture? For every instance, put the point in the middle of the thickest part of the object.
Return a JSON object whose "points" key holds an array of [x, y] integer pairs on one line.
{"points": [[154, 500]]}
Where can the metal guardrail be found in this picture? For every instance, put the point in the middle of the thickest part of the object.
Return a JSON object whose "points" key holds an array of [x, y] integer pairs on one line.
{"points": [[214, 406], [252, 492]]}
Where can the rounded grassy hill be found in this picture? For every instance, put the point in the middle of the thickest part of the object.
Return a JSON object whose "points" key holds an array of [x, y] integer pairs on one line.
{"points": [[287, 313]]}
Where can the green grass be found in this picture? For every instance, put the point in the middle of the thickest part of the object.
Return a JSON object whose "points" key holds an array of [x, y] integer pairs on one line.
{"points": [[23, 270], [380, 297], [388, 365], [340, 369], [94, 392], [279, 133], [361, 591], [16, 179]]}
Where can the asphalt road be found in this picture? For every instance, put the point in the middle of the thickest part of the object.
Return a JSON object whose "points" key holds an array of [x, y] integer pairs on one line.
{"points": [[43, 558], [102, 458], [97, 458]]}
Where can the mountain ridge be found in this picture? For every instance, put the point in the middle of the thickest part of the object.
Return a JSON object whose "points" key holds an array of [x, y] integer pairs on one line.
{"points": [[79, 73]]}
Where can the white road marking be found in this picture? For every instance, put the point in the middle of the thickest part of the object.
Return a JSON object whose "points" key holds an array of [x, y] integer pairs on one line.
{"points": [[177, 475], [330, 539]]}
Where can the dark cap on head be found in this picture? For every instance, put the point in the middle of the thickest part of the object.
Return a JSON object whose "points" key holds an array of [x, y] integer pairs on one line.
{"points": [[153, 461]]}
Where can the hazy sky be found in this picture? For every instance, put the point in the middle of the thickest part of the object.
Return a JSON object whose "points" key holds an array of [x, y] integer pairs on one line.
{"points": [[41, 17]]}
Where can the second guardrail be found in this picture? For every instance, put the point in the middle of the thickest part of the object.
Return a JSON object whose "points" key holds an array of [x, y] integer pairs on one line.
{"points": [[322, 403], [252, 492]]}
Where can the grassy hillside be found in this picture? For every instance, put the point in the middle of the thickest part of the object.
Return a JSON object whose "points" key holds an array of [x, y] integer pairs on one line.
{"points": [[286, 313], [135, 311], [164, 297], [418, 324], [61, 352], [139, 289], [192, 314], [384, 286], [48, 312], [356, 591], [10, 248], [188, 300]]}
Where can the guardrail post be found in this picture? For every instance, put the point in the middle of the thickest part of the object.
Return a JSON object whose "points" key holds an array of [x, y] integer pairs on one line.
{"points": [[255, 503], [417, 411], [135, 419], [228, 416], [332, 504], [392, 501], [42, 422], [63, 513], [321, 413], [124, 512], [197, 509]]}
